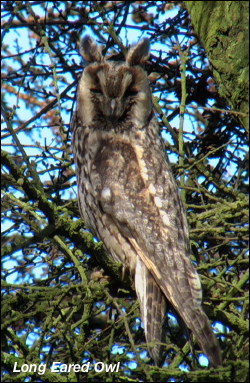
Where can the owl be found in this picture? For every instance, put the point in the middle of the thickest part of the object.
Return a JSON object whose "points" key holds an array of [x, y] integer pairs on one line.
{"points": [[128, 197]]}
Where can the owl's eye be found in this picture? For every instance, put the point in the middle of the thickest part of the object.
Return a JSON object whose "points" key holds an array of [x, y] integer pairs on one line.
{"points": [[130, 92], [96, 90]]}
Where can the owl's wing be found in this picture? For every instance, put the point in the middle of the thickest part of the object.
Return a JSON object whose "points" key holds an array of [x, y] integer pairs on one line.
{"points": [[147, 212]]}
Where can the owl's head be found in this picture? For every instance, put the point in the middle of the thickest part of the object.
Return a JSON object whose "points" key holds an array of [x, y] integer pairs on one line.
{"points": [[113, 91]]}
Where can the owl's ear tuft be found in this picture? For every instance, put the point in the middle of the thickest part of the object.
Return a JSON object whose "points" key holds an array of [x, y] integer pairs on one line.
{"points": [[139, 53], [90, 51]]}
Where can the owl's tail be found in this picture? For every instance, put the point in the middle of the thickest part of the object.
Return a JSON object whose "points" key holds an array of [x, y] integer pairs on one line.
{"points": [[199, 324], [153, 306], [183, 289], [153, 310], [184, 293]]}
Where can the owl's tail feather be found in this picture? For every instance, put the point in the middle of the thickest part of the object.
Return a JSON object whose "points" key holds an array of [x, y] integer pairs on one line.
{"points": [[153, 307], [199, 324], [187, 303]]}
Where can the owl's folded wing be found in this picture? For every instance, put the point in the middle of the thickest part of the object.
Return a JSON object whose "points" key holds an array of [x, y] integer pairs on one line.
{"points": [[158, 237]]}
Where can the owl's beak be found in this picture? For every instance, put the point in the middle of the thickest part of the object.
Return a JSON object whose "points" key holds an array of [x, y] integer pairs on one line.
{"points": [[113, 105], [113, 109]]}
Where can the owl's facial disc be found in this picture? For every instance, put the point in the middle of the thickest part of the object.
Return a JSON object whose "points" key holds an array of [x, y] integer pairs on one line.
{"points": [[114, 91]]}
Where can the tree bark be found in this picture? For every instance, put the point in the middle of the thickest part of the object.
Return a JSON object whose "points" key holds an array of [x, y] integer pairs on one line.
{"points": [[222, 27]]}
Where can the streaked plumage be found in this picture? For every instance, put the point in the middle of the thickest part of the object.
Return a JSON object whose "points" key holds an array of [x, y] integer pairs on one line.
{"points": [[127, 194]]}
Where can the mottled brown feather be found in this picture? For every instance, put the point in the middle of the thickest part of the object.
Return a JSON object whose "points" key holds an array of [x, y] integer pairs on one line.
{"points": [[128, 197]]}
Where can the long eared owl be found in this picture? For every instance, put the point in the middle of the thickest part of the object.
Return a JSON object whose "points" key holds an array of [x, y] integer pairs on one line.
{"points": [[127, 194]]}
